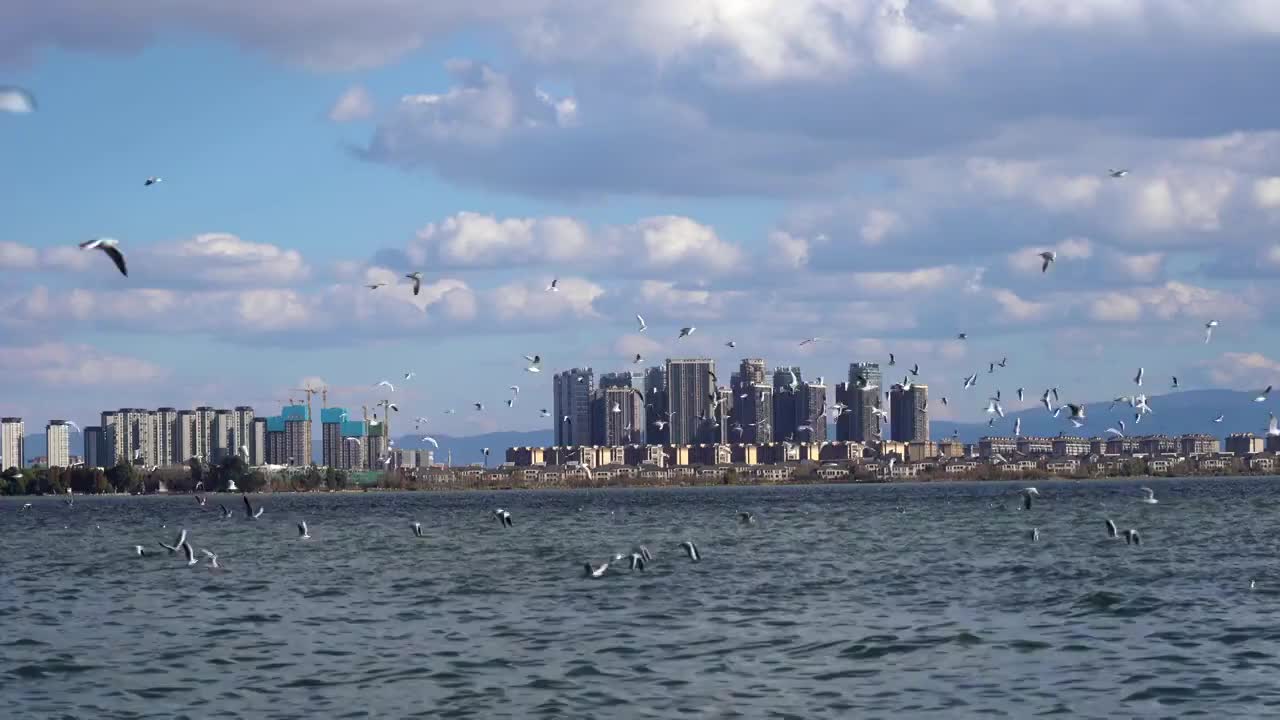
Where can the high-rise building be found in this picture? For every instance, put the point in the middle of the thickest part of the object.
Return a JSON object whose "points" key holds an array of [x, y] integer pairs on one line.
{"points": [[908, 413], [274, 452], [206, 432], [655, 399], [331, 440], [57, 440], [112, 439], [13, 442], [257, 443], [787, 386], [721, 430], [689, 388], [297, 434], [135, 436], [753, 411], [223, 430], [352, 453], [375, 445], [184, 437], [811, 409], [615, 380], [572, 406], [93, 450], [619, 416], [167, 437], [750, 373], [242, 425], [860, 395]]}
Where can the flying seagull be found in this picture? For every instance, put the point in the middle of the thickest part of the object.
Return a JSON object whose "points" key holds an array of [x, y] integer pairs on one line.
{"points": [[1111, 528], [1208, 330], [153, 180], [554, 286], [248, 509], [302, 531], [1273, 429], [1175, 382], [409, 375], [387, 383], [686, 332], [1263, 397], [962, 336], [1137, 379], [191, 554], [375, 286], [1118, 173], [417, 530], [138, 549], [1027, 494], [596, 570], [182, 539], [503, 517], [416, 277], [1149, 496], [809, 341], [1219, 418], [213, 559], [226, 512], [429, 439], [111, 247], [731, 344], [1132, 537], [691, 550], [16, 100], [1048, 256], [640, 320]]}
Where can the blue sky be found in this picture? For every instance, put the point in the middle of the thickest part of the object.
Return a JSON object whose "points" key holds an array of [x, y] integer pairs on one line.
{"points": [[879, 173]]}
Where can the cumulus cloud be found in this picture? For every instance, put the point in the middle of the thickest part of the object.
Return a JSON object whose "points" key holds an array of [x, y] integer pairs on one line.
{"points": [[354, 104], [60, 364], [525, 300], [222, 259], [1250, 370]]}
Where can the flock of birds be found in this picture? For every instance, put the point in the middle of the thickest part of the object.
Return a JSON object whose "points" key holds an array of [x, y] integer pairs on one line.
{"points": [[1131, 536]]}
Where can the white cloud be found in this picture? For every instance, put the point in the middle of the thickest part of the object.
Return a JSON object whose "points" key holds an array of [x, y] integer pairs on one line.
{"points": [[1028, 261], [1266, 192], [525, 300], [14, 256], [790, 249], [60, 364], [671, 241], [1243, 370], [924, 279], [222, 259], [354, 104], [878, 225]]}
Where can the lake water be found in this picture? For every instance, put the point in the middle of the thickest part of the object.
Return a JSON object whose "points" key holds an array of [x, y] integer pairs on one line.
{"points": [[907, 600]]}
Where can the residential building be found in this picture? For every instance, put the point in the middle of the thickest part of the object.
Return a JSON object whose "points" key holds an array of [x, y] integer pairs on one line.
{"points": [[375, 445], [689, 388], [297, 434], [618, 415], [351, 452], [1200, 445], [655, 399], [787, 384], [13, 442], [257, 443], [1070, 446], [1241, 444], [572, 406], [331, 440], [93, 451], [615, 380], [990, 446], [274, 449], [205, 432], [242, 419], [223, 435], [57, 438], [167, 437], [811, 412], [184, 437], [908, 413], [861, 396], [753, 409]]}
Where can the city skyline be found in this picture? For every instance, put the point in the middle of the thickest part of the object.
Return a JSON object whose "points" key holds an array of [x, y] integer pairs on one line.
{"points": [[654, 160]]}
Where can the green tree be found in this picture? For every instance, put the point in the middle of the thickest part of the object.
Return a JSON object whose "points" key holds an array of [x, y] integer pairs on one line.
{"points": [[124, 478], [253, 482]]}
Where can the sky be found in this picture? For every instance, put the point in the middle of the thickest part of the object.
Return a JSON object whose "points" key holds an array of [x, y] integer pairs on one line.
{"points": [[881, 174]]}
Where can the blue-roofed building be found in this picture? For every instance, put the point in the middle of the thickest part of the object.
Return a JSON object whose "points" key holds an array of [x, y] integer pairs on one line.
{"points": [[275, 453], [297, 434], [335, 427]]}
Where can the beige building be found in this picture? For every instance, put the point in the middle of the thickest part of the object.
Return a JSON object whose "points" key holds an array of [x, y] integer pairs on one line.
{"points": [[57, 437], [13, 445]]}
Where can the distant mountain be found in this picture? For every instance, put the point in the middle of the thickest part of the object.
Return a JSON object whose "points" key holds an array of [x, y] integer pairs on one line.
{"points": [[1176, 413]]}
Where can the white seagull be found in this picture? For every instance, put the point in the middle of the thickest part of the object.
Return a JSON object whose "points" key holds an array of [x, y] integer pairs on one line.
{"points": [[16, 100], [302, 531], [1048, 256], [248, 509], [1137, 379], [1263, 396], [1118, 173], [640, 320], [1219, 418], [429, 439], [191, 554], [810, 340], [503, 517], [691, 550], [375, 285], [213, 559], [1273, 429], [554, 286], [1111, 528], [595, 571], [416, 277], [417, 530], [1027, 494], [153, 180], [1149, 496], [391, 387], [1132, 537], [1208, 330], [686, 332], [138, 549], [111, 247], [731, 344], [182, 538]]}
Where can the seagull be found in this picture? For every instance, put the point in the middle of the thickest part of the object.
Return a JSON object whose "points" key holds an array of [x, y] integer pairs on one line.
{"points": [[1049, 256], [638, 359], [248, 509], [892, 361], [915, 369], [153, 180], [429, 439], [962, 336], [479, 407], [213, 559], [809, 341], [515, 389], [1208, 330], [503, 517], [1132, 537], [375, 286], [111, 247], [191, 554], [641, 321], [16, 100], [387, 383], [660, 424], [690, 549], [533, 369], [545, 413], [686, 332], [1175, 382], [595, 571], [1020, 394], [1149, 496], [226, 513], [1263, 396], [1034, 534], [970, 381], [27, 506], [1219, 418], [944, 400], [1111, 528], [416, 277], [417, 530], [1027, 494], [139, 551], [1118, 173], [1137, 379], [731, 344], [1115, 432], [637, 561], [409, 375], [1017, 427], [182, 539], [302, 531], [991, 368]]}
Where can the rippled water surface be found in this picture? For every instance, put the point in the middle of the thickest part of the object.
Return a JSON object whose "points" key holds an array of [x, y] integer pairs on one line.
{"points": [[841, 601]]}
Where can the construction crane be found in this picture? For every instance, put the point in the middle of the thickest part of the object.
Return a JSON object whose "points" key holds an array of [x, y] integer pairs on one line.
{"points": [[309, 392]]}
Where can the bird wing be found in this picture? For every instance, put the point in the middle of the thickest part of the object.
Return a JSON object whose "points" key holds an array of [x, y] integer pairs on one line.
{"points": [[191, 554], [117, 257], [248, 507]]}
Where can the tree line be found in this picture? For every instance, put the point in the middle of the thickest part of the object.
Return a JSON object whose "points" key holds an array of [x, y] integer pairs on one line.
{"points": [[231, 472]]}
